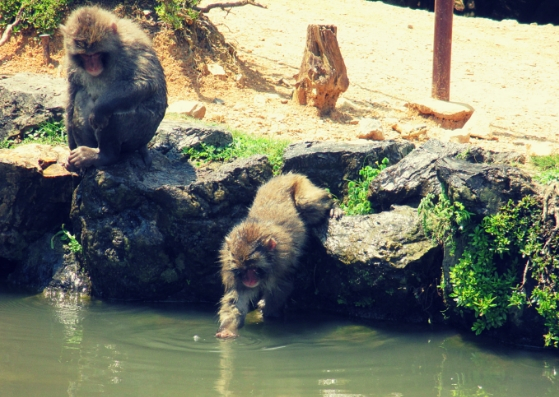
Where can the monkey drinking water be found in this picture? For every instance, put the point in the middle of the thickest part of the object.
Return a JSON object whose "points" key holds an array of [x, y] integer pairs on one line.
{"points": [[260, 254], [117, 94]]}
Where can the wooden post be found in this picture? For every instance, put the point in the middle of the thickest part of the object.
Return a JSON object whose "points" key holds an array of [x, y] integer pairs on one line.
{"points": [[323, 75], [45, 40], [442, 49]]}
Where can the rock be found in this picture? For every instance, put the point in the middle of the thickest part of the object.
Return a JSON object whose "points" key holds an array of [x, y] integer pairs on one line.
{"points": [[344, 104], [31, 203], [155, 233], [332, 164], [29, 100], [370, 129], [172, 137], [457, 136], [416, 175], [385, 265], [483, 188], [189, 108], [50, 267], [478, 126], [442, 109], [410, 131], [217, 71]]}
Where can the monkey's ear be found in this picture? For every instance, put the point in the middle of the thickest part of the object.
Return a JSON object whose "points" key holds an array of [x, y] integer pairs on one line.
{"points": [[270, 244], [114, 28]]}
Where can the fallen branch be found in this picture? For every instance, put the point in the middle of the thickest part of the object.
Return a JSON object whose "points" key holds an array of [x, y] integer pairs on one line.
{"points": [[10, 27], [228, 5]]}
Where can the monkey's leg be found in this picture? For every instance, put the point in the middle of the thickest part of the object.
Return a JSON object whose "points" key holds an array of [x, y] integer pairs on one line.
{"points": [[232, 313], [274, 300]]}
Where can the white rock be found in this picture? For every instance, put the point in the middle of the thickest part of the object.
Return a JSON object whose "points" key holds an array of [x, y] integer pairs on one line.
{"points": [[442, 109], [190, 108], [370, 128], [478, 126], [217, 71]]}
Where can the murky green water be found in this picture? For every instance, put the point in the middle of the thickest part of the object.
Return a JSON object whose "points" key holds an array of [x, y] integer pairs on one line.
{"points": [[102, 349]]}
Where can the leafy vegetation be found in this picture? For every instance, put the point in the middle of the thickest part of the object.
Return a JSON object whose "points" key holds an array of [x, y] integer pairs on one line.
{"points": [[43, 15], [549, 166], [50, 132], [177, 13], [510, 261], [243, 146], [357, 202], [69, 239]]}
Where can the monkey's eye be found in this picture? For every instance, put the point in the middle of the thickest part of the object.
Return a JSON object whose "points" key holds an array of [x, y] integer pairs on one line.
{"points": [[80, 44]]}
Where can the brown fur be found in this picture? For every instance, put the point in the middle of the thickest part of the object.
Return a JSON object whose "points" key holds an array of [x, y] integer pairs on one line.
{"points": [[118, 110], [266, 247]]}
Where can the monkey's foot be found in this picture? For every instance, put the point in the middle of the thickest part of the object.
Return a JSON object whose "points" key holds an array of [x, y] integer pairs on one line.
{"points": [[225, 334]]}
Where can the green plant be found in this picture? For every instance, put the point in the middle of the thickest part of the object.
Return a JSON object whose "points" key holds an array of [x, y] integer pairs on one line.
{"points": [[50, 132], [549, 168], [357, 202], [68, 238], [177, 13], [443, 220], [503, 253], [43, 15], [243, 146]]}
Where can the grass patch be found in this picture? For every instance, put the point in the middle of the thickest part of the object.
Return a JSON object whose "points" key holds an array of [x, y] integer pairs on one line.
{"points": [[357, 202], [49, 133], [243, 146], [549, 168]]}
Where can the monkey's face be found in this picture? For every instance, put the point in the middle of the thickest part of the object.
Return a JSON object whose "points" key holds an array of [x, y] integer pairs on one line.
{"points": [[245, 258]]}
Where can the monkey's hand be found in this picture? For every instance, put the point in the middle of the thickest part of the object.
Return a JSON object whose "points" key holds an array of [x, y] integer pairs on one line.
{"points": [[83, 157], [225, 334], [98, 119]]}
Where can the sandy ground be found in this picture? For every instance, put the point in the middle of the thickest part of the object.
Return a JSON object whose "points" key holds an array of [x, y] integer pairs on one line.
{"points": [[508, 72]]}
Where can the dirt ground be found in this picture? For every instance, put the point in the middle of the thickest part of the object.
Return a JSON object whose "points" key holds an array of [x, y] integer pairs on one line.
{"points": [[508, 72]]}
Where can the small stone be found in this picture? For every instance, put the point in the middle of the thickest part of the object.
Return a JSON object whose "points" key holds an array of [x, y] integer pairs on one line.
{"points": [[442, 109], [190, 108], [346, 104], [370, 128], [217, 71], [478, 126], [457, 136]]}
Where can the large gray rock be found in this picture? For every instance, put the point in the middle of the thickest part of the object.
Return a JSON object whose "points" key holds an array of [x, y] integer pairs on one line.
{"points": [[28, 100], [173, 136], [152, 234], [416, 175], [35, 197], [379, 266], [333, 164]]}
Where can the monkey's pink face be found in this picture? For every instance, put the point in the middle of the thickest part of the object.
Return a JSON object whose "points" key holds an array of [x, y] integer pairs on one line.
{"points": [[250, 278], [92, 63]]}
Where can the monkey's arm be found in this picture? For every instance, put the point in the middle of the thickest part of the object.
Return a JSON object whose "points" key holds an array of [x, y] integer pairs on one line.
{"points": [[232, 313], [70, 113]]}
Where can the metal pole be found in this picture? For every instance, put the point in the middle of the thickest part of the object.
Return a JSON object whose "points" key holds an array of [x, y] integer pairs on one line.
{"points": [[442, 49], [45, 39]]}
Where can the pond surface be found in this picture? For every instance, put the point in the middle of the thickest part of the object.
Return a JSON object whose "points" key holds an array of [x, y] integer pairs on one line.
{"points": [[58, 349]]}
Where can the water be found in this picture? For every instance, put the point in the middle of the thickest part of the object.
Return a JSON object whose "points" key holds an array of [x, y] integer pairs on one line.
{"points": [[103, 349]]}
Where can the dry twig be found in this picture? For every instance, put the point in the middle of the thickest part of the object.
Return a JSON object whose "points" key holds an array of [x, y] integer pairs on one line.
{"points": [[229, 5], [10, 27]]}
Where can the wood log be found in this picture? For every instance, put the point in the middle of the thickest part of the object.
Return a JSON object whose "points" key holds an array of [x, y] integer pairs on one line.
{"points": [[323, 75]]}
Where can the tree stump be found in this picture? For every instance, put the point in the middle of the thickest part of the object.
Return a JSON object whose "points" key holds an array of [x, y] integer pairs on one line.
{"points": [[323, 75]]}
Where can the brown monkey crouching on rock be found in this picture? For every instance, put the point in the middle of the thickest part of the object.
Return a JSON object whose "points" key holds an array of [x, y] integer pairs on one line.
{"points": [[117, 92], [260, 254]]}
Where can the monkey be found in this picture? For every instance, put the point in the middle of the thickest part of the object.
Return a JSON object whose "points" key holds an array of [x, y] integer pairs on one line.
{"points": [[260, 254], [117, 93]]}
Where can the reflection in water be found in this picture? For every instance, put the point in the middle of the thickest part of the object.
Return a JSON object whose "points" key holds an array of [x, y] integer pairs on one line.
{"points": [[62, 347]]}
